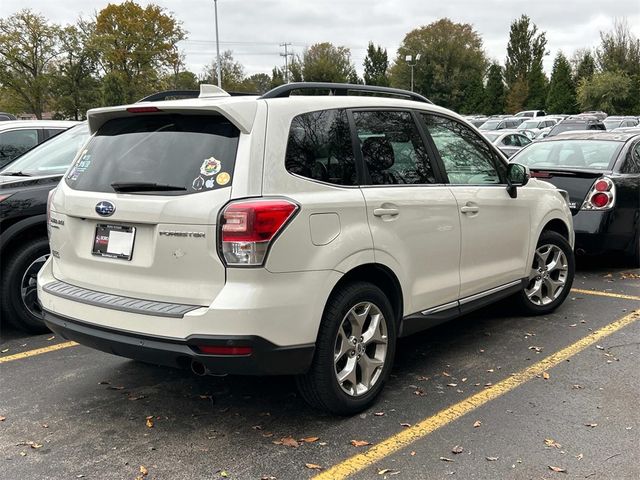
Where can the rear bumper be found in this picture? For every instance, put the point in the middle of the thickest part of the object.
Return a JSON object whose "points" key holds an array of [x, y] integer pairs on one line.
{"points": [[265, 359], [599, 232]]}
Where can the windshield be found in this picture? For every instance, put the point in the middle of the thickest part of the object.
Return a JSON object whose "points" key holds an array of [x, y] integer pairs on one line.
{"points": [[492, 137], [189, 153], [611, 124], [52, 157], [528, 125], [591, 154], [490, 125]]}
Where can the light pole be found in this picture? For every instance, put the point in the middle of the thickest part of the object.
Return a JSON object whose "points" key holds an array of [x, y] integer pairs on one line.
{"points": [[218, 69], [408, 59]]}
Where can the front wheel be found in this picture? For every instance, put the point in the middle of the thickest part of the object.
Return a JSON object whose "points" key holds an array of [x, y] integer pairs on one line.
{"points": [[354, 351], [550, 277]]}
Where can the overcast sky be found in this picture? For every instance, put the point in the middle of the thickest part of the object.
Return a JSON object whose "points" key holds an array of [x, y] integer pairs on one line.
{"points": [[253, 29]]}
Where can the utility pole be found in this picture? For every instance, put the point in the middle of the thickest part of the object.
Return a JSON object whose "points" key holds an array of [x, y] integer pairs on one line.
{"points": [[286, 60], [218, 68]]}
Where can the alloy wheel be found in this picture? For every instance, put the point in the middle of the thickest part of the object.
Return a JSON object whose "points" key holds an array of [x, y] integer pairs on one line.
{"points": [[360, 349], [29, 286], [548, 275]]}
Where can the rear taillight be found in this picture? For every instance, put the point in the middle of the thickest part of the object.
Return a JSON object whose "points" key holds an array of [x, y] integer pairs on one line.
{"points": [[601, 196], [249, 227]]}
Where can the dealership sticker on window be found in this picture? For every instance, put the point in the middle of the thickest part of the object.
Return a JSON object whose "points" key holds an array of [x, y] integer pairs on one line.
{"points": [[210, 166], [223, 178]]}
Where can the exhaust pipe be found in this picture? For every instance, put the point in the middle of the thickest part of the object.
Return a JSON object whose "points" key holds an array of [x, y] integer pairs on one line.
{"points": [[199, 368]]}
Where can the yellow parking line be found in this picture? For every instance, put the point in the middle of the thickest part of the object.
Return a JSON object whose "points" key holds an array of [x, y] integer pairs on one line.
{"points": [[37, 351], [605, 294], [406, 437]]}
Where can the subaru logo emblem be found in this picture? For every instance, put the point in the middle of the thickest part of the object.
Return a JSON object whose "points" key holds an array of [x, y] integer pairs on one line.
{"points": [[105, 209]]}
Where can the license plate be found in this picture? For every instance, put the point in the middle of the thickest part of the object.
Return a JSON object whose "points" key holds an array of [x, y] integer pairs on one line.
{"points": [[114, 241]]}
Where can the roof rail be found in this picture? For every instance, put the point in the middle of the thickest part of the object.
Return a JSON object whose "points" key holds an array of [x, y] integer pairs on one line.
{"points": [[342, 89]]}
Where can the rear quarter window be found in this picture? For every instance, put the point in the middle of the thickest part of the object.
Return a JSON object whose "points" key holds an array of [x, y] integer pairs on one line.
{"points": [[195, 152]]}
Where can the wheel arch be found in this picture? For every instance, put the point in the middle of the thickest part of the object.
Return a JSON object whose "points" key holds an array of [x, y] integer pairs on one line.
{"points": [[27, 228]]}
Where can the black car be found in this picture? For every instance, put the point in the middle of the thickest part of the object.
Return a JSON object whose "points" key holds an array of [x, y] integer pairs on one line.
{"points": [[601, 173], [577, 122], [24, 188]]}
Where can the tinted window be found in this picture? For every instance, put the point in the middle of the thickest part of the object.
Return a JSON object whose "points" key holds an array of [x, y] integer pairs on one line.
{"points": [[632, 162], [320, 148], [392, 148], [52, 132], [15, 143], [194, 152], [592, 154], [54, 156], [467, 158]]}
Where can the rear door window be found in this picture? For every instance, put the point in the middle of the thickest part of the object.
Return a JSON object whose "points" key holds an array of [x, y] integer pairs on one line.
{"points": [[392, 148], [191, 153], [16, 142]]}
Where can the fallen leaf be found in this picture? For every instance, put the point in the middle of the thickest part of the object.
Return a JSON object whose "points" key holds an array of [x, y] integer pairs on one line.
{"points": [[113, 387], [457, 449], [287, 442], [4, 351], [579, 456], [477, 423], [323, 444], [550, 442], [573, 325], [379, 414], [452, 384], [313, 466], [224, 474], [257, 427], [445, 459], [407, 425], [51, 338], [2, 419], [464, 379], [577, 387], [23, 454], [492, 459], [599, 347], [103, 382], [413, 453], [592, 425], [45, 425], [267, 477], [490, 370], [557, 469], [360, 443], [446, 374], [310, 439], [419, 392], [133, 398], [388, 471], [537, 349], [546, 375], [144, 471], [149, 421]]}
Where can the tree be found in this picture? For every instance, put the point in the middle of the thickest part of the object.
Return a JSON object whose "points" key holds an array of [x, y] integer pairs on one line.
{"points": [[517, 96], [376, 64], [324, 62], [619, 50], [257, 83], [28, 49], [277, 77], [75, 86], [474, 93], [525, 49], [607, 91], [451, 54], [562, 91], [134, 46], [584, 65], [494, 91], [232, 72], [537, 88]]}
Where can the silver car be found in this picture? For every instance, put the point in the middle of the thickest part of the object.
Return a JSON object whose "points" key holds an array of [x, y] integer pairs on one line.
{"points": [[508, 141]]}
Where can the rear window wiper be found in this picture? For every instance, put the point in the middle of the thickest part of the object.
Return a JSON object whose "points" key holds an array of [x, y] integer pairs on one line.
{"points": [[16, 174], [145, 187]]}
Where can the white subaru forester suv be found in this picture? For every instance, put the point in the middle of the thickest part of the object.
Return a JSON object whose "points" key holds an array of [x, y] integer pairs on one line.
{"points": [[293, 234]]}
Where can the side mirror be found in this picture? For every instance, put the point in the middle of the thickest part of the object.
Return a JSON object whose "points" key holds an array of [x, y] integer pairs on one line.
{"points": [[517, 176]]}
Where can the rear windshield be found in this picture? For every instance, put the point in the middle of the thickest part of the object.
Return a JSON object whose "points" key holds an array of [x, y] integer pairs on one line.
{"points": [[192, 153], [590, 154]]}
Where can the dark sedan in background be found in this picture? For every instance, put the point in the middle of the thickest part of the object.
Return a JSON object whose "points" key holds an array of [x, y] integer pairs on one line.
{"points": [[601, 173], [24, 187]]}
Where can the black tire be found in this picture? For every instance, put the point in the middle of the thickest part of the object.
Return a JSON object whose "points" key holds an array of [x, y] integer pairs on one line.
{"points": [[529, 306], [319, 386], [14, 308]]}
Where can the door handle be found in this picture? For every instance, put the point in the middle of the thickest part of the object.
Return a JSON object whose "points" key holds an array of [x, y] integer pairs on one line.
{"points": [[379, 212], [470, 209]]}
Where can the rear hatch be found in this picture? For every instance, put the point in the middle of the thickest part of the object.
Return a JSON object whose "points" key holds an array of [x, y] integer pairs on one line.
{"points": [[577, 183], [135, 214]]}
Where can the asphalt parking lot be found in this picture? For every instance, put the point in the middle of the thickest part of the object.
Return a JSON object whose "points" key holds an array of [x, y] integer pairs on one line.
{"points": [[488, 396]]}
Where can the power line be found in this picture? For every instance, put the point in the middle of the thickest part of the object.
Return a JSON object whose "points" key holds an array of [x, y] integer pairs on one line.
{"points": [[286, 60]]}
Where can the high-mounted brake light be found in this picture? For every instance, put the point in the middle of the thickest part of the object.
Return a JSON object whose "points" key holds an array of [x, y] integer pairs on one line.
{"points": [[143, 109], [248, 227], [601, 196]]}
